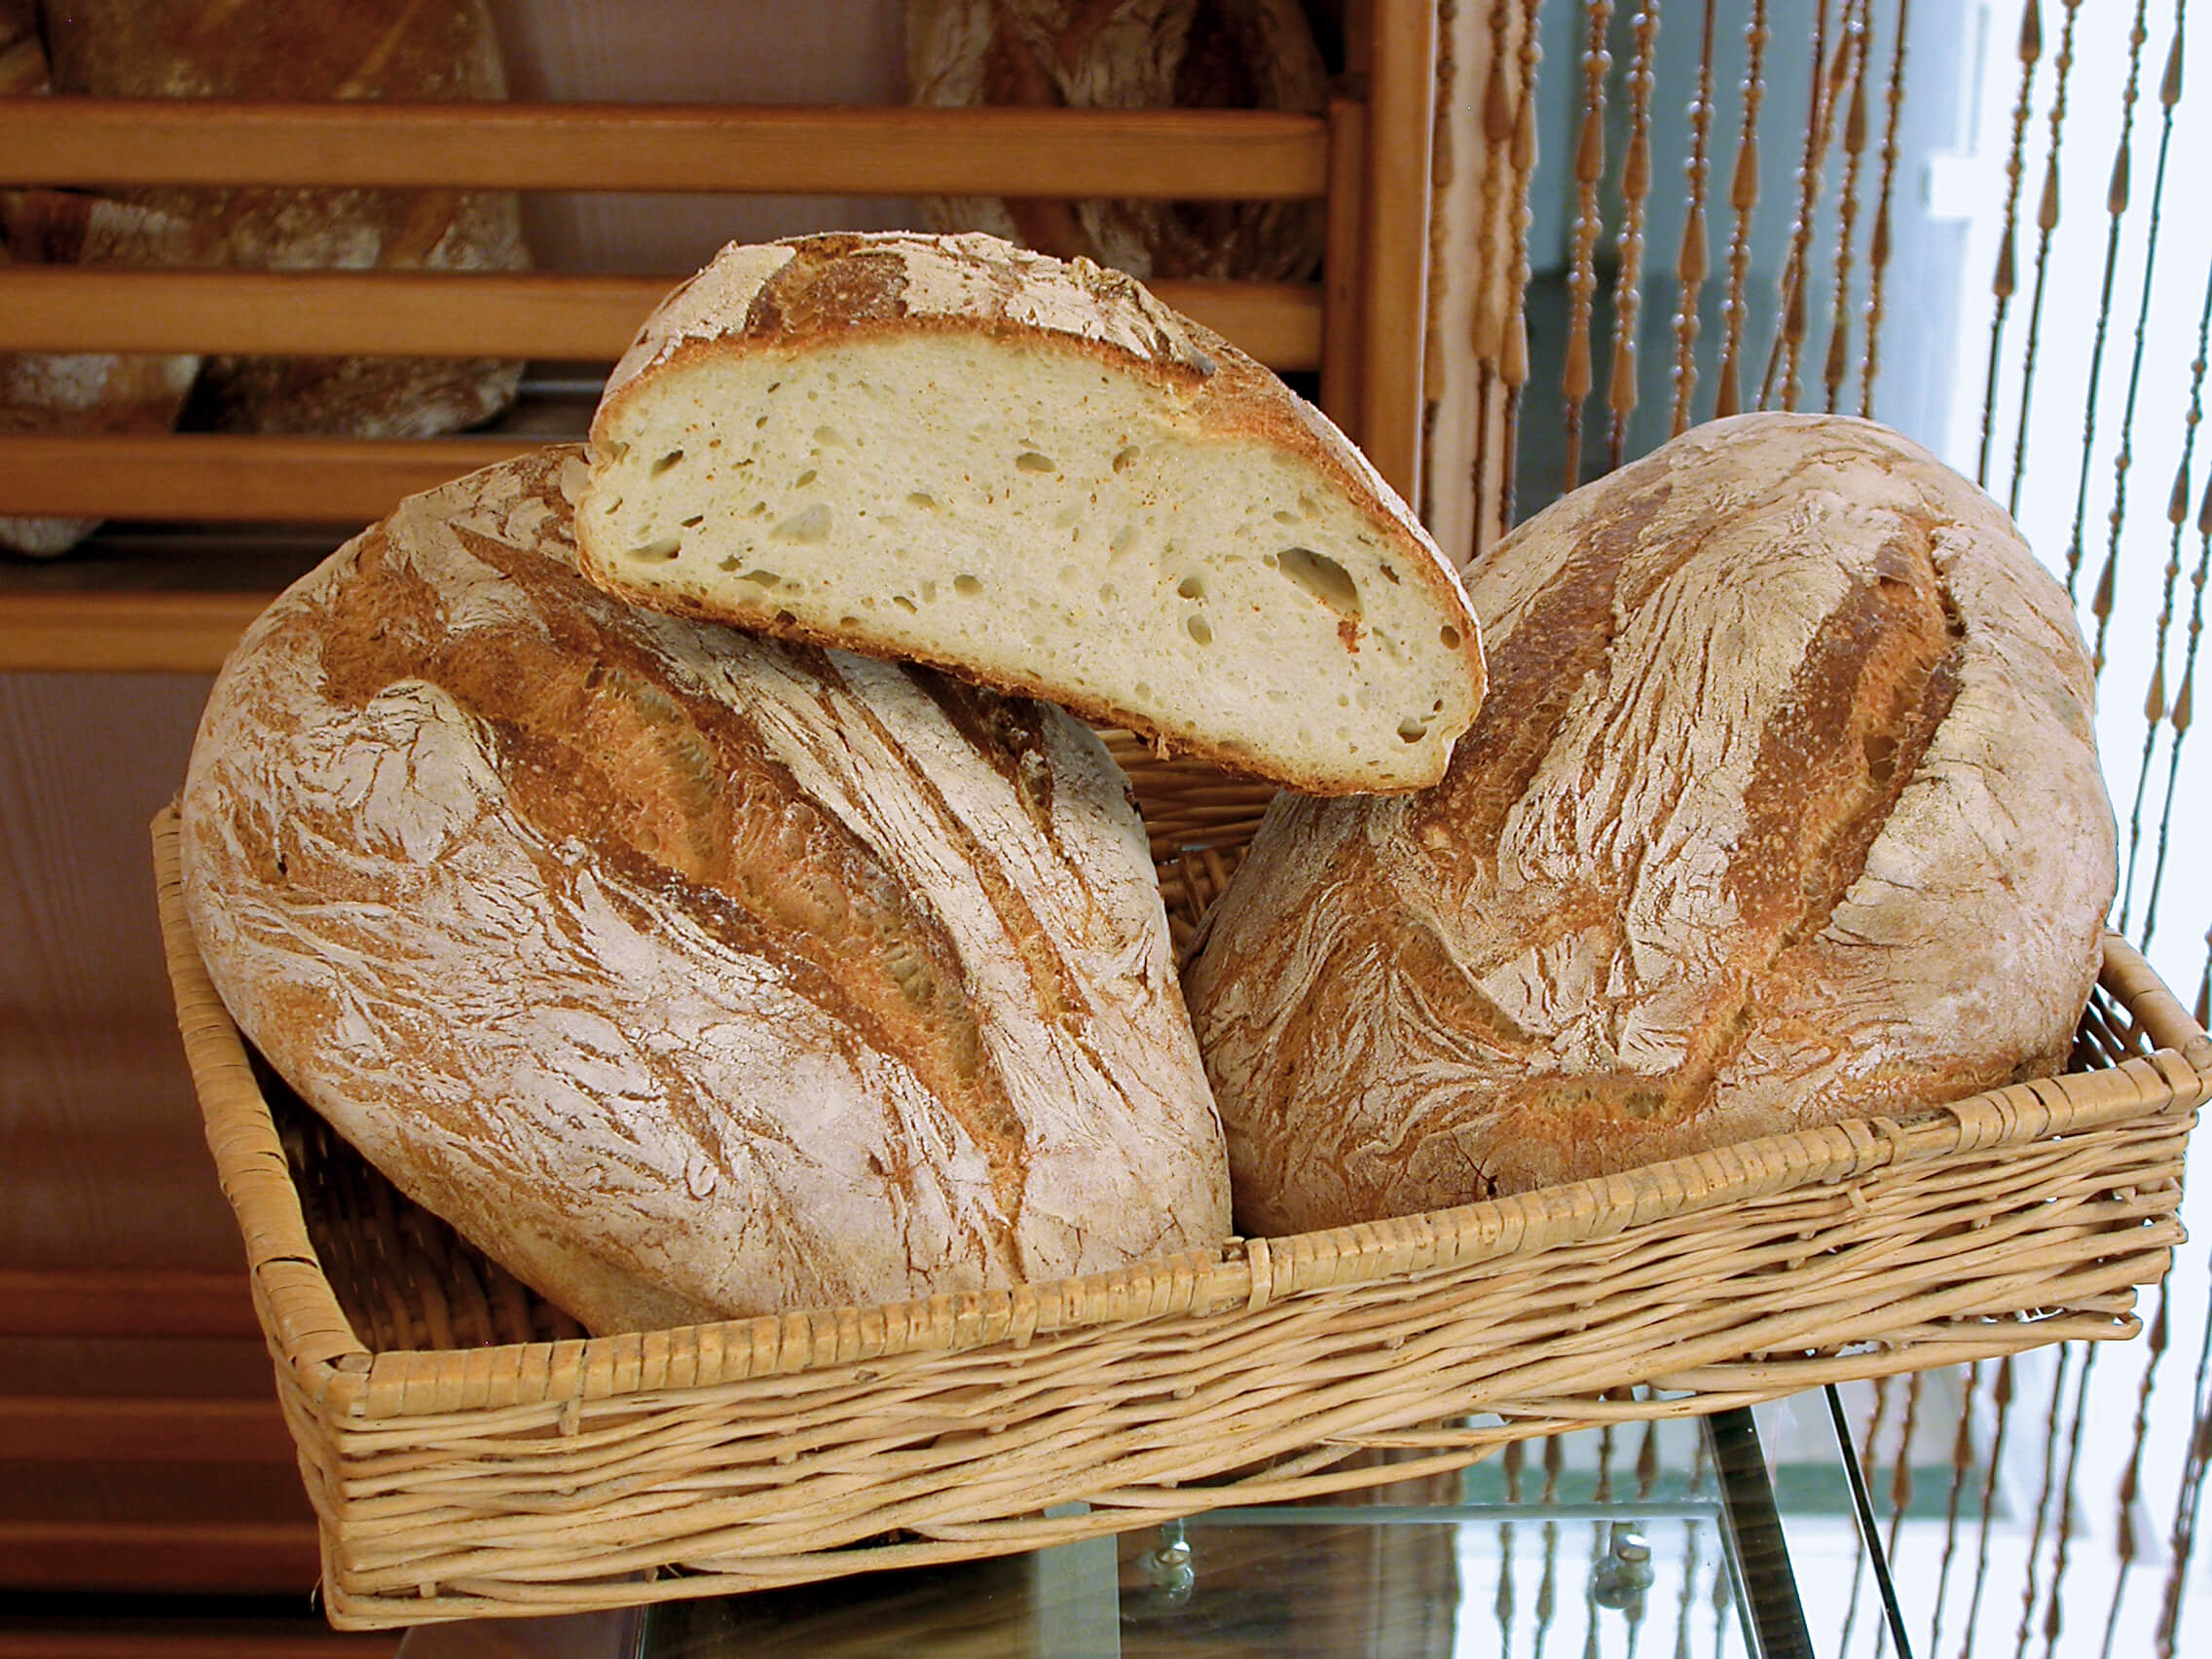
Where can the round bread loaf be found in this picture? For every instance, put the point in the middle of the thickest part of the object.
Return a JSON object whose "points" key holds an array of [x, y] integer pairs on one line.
{"points": [[399, 50], [1128, 55], [1783, 809], [689, 975], [48, 393]]}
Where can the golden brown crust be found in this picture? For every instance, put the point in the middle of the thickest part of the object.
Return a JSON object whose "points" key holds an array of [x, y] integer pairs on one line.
{"points": [[1785, 809], [686, 974]]}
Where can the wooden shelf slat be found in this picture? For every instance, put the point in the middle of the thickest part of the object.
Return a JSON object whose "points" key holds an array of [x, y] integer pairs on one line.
{"points": [[150, 1430], [1393, 264], [398, 314], [1166, 155], [167, 1555], [414, 313], [248, 480], [1280, 323], [123, 631], [197, 1639], [189, 1638], [125, 1302]]}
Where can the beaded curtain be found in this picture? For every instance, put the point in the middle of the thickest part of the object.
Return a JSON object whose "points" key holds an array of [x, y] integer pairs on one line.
{"points": [[1983, 224]]}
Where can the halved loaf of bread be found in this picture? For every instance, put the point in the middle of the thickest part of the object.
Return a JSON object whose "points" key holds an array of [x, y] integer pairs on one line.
{"points": [[1028, 471]]}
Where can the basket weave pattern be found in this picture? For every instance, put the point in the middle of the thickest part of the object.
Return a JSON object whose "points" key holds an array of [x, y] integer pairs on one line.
{"points": [[469, 1453]]}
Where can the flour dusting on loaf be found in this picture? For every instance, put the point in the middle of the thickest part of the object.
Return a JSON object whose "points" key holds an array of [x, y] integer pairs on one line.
{"points": [[1785, 809], [689, 975], [1031, 472]]}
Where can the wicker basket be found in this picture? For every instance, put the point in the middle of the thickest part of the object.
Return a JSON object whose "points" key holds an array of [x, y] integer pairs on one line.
{"points": [[469, 1453]]}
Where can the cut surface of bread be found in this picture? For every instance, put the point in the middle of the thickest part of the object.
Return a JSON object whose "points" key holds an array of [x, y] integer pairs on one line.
{"points": [[1030, 472]]}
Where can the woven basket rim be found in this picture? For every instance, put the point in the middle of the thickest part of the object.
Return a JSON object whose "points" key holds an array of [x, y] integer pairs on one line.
{"points": [[313, 1339]]}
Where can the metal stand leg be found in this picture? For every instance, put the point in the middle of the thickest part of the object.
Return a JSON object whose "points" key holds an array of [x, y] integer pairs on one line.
{"points": [[1775, 1616]]}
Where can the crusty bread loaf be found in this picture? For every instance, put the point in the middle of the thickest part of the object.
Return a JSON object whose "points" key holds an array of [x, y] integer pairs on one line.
{"points": [[1783, 809], [22, 53], [1128, 55], [687, 973], [1029, 471], [49, 393], [308, 50], [54, 392]]}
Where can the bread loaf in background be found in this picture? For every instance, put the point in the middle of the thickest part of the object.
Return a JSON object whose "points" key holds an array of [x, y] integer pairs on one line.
{"points": [[308, 51], [22, 51], [1028, 470], [65, 393], [687, 973], [57, 393], [1783, 809], [1128, 55]]}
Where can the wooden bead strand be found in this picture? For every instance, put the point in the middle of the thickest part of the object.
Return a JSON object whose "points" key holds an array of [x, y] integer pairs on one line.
{"points": [[1582, 276], [1691, 263], [1628, 279], [1742, 198]]}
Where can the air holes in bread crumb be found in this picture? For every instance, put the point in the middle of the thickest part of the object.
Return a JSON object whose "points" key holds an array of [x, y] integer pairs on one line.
{"points": [[966, 586], [1448, 637], [1322, 578], [920, 500], [666, 462], [1198, 628], [1412, 729], [1389, 575], [658, 552], [829, 437], [1124, 457], [1031, 461], [902, 602], [1191, 586], [805, 478], [762, 578], [811, 526], [694, 521]]}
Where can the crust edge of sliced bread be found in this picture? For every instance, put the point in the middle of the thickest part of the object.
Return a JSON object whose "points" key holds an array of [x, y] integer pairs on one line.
{"points": [[733, 308]]}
